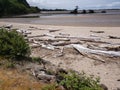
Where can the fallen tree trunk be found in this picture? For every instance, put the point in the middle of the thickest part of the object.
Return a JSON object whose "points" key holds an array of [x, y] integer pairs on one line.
{"points": [[113, 37], [36, 36], [82, 49], [97, 31], [52, 40], [54, 30], [64, 43]]}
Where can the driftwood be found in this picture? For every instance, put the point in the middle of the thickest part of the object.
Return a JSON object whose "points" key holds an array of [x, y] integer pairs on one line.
{"points": [[113, 37], [73, 37], [82, 49], [24, 32], [86, 39], [110, 47], [65, 43], [36, 36], [8, 26], [97, 31], [34, 45], [54, 30], [64, 34], [52, 40], [50, 47], [61, 53]]}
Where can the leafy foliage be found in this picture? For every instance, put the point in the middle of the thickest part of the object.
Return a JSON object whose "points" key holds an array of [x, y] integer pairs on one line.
{"points": [[14, 7], [13, 44], [73, 81]]}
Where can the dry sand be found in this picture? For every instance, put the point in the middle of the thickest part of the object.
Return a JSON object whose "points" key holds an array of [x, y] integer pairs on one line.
{"points": [[109, 72]]}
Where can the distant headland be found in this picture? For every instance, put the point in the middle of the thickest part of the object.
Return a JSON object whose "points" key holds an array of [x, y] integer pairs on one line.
{"points": [[16, 7]]}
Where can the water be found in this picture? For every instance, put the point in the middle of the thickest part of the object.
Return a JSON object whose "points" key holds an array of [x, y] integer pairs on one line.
{"points": [[109, 19]]}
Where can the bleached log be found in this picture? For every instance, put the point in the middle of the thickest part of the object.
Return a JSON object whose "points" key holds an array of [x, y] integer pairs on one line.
{"points": [[87, 39], [50, 35], [82, 49], [90, 39], [50, 47]]}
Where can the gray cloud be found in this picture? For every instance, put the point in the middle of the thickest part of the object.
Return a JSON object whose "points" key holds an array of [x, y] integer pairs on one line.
{"points": [[112, 5], [70, 4]]}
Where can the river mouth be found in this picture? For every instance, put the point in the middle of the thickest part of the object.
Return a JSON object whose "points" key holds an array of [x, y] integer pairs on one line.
{"points": [[111, 19]]}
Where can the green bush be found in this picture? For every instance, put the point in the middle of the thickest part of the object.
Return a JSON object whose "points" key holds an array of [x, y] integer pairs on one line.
{"points": [[13, 44], [73, 81]]}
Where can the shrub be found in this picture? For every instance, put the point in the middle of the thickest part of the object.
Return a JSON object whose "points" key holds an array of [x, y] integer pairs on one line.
{"points": [[73, 81], [49, 87], [13, 44], [36, 59]]}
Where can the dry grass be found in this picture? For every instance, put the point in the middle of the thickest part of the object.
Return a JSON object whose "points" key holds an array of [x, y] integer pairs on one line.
{"points": [[14, 80]]}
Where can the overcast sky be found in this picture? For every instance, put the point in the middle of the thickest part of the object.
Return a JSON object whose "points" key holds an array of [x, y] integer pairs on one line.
{"points": [[70, 4]]}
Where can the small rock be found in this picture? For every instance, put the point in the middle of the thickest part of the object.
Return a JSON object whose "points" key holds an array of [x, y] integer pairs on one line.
{"points": [[118, 80], [46, 78], [104, 87], [118, 88]]}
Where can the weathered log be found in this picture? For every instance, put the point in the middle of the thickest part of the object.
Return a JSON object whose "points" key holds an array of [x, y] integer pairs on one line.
{"points": [[34, 45], [113, 37], [82, 49], [52, 40], [110, 47], [36, 36], [87, 39], [54, 30], [8, 26], [97, 31], [65, 43]]}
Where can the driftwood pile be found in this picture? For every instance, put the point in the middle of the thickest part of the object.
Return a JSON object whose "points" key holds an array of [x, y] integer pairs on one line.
{"points": [[86, 46]]}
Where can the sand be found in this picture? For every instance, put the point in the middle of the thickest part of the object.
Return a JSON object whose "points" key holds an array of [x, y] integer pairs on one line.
{"points": [[109, 72]]}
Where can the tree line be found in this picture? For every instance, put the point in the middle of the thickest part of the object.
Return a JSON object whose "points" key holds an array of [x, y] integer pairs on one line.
{"points": [[16, 7]]}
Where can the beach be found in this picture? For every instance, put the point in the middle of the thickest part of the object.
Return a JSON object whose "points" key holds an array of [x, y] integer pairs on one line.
{"points": [[108, 71]]}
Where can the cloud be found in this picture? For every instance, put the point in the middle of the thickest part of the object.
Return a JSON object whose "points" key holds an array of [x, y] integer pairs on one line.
{"points": [[112, 5], [70, 4]]}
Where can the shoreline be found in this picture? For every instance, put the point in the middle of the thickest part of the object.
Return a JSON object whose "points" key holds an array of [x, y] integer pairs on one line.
{"points": [[91, 20]]}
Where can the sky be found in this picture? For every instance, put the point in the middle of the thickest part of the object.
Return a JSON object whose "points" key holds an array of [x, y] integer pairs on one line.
{"points": [[70, 4]]}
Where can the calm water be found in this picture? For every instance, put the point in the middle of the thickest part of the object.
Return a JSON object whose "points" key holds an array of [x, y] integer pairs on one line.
{"points": [[109, 19]]}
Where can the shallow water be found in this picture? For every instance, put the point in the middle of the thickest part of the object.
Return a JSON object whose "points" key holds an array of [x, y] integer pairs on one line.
{"points": [[110, 19]]}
